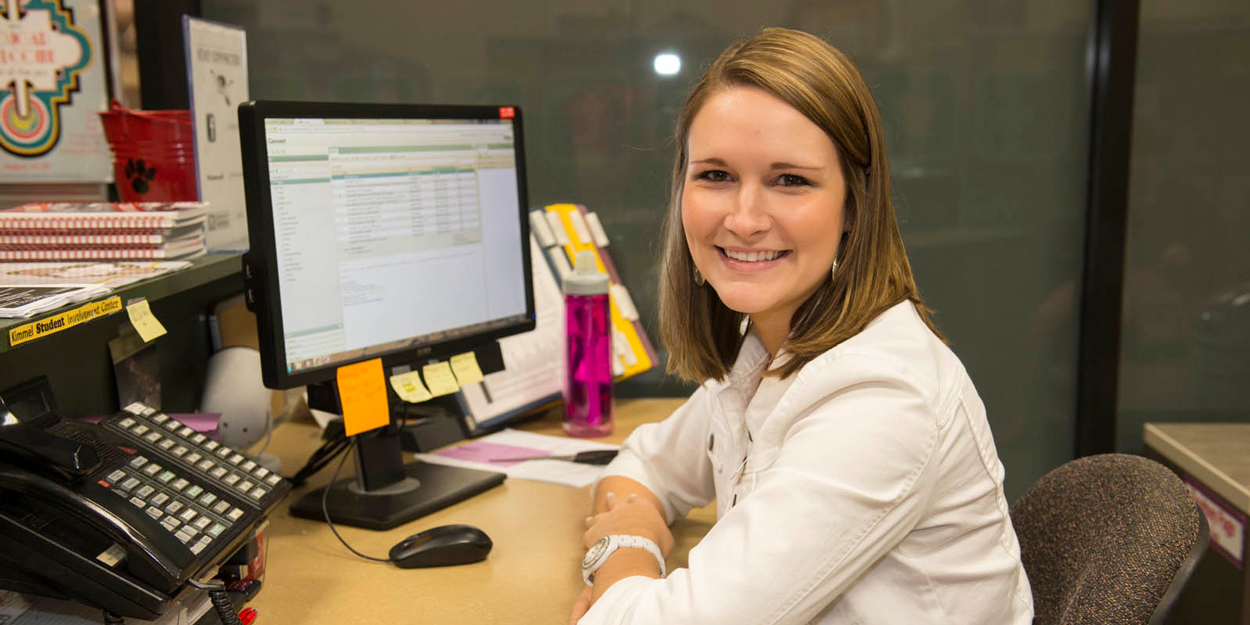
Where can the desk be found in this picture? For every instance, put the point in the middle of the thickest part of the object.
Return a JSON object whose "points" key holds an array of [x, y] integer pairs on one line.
{"points": [[531, 576], [1216, 457]]}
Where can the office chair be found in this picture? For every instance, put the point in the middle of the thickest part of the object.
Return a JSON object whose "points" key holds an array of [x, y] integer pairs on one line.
{"points": [[1108, 540]]}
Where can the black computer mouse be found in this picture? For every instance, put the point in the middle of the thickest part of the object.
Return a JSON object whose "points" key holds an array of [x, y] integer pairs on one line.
{"points": [[447, 545]]}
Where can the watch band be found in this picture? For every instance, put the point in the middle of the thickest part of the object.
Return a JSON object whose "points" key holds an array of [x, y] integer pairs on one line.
{"points": [[599, 552]]}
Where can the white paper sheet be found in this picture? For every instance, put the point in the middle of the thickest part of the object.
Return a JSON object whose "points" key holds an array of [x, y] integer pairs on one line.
{"points": [[515, 443]]}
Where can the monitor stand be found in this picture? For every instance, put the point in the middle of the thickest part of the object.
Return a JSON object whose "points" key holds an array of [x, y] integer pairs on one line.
{"points": [[386, 492]]}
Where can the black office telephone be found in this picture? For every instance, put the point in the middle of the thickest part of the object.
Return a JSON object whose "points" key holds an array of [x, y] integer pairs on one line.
{"points": [[119, 515]]}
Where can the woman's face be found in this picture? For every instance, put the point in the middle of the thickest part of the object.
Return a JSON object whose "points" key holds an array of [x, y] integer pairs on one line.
{"points": [[763, 203]]}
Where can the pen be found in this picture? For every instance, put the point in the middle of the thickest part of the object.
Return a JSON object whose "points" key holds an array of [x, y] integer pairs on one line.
{"points": [[599, 456]]}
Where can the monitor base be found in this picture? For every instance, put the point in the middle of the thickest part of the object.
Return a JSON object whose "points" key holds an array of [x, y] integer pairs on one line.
{"points": [[427, 488]]}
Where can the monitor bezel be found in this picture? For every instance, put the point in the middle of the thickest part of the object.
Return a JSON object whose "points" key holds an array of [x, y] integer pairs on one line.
{"points": [[262, 258]]}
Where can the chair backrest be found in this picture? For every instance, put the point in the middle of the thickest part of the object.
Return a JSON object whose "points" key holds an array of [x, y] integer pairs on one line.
{"points": [[1108, 540]]}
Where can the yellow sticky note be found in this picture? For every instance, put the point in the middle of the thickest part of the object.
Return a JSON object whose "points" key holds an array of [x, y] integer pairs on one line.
{"points": [[409, 387], [362, 394], [440, 379], [466, 369], [144, 321]]}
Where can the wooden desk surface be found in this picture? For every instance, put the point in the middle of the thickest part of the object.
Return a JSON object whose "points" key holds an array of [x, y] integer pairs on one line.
{"points": [[531, 576], [1217, 454]]}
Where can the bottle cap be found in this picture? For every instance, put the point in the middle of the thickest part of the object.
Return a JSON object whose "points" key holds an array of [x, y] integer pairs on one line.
{"points": [[586, 278]]}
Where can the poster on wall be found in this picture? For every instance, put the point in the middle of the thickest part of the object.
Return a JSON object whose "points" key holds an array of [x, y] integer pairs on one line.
{"points": [[52, 85], [217, 82]]}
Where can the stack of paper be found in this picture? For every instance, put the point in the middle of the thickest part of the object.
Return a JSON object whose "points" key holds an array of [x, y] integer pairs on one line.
{"points": [[25, 300]]}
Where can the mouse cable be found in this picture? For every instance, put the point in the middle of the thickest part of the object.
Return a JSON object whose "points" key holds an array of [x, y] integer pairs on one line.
{"points": [[325, 496]]}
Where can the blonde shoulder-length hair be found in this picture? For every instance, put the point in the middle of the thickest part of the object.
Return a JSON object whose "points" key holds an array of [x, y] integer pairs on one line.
{"points": [[703, 335]]}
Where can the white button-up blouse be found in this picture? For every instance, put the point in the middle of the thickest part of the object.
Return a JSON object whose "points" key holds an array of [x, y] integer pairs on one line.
{"points": [[865, 489]]}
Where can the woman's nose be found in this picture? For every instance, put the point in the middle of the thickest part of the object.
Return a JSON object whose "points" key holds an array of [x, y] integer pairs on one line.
{"points": [[749, 215]]}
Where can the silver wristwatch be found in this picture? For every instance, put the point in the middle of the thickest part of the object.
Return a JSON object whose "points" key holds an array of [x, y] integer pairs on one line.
{"points": [[599, 552]]}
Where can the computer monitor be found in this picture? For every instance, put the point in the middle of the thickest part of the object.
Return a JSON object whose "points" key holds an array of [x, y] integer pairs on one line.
{"points": [[397, 232]]}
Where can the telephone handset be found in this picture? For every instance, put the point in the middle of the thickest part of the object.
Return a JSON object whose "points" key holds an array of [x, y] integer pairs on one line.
{"points": [[122, 514]]}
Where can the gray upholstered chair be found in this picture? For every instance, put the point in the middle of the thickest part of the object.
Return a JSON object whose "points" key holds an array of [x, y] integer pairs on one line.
{"points": [[1108, 540]]}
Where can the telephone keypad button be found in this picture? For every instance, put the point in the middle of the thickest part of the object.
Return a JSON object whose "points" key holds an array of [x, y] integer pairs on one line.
{"points": [[206, 465], [248, 466], [160, 499], [153, 437], [138, 461], [198, 547], [154, 513], [183, 536], [273, 480], [259, 493], [236, 459], [216, 530], [148, 410], [261, 472], [129, 484], [160, 418], [170, 523], [145, 492], [194, 491], [138, 503], [174, 507], [140, 430], [126, 423], [244, 486], [186, 431], [198, 439], [166, 444], [179, 484], [232, 479], [172, 425], [202, 523], [152, 469], [180, 451], [223, 452], [165, 477], [116, 475], [188, 515], [208, 499], [221, 507], [211, 445], [218, 473], [235, 514], [134, 408], [194, 457]]}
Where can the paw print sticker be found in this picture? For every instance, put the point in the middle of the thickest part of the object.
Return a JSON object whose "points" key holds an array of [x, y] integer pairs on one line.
{"points": [[139, 175]]}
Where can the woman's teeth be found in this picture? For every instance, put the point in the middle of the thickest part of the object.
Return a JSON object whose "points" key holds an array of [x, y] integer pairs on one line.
{"points": [[751, 257]]}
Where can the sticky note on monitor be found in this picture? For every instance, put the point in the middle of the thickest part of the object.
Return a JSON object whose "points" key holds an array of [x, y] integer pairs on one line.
{"points": [[362, 394], [440, 379], [144, 321], [466, 369], [409, 387]]}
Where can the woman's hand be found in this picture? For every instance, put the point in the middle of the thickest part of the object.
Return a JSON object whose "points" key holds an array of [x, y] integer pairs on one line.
{"points": [[630, 516]]}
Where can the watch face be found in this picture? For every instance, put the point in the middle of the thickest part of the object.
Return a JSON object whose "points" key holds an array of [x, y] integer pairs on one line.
{"points": [[595, 552]]}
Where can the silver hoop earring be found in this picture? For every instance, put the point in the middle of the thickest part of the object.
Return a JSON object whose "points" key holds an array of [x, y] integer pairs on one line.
{"points": [[698, 277], [834, 272]]}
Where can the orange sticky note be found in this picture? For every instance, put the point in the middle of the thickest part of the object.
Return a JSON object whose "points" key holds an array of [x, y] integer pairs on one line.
{"points": [[362, 393]]}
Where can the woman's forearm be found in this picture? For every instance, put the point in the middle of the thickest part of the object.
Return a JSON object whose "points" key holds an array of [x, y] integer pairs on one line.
{"points": [[625, 562]]}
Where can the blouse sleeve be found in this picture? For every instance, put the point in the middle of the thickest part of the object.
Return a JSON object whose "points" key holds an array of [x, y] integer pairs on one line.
{"points": [[668, 458], [852, 478]]}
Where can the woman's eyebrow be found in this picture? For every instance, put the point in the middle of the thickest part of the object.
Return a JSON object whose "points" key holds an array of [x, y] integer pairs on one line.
{"points": [[784, 165], [709, 161]]}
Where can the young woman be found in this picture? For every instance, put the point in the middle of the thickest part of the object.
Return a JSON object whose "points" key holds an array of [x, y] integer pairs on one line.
{"points": [[852, 466]]}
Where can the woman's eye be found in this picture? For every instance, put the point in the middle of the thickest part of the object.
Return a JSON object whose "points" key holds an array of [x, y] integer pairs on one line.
{"points": [[713, 175], [792, 180]]}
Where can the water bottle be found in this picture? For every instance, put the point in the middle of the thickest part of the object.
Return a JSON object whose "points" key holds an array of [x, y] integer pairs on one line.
{"points": [[587, 350]]}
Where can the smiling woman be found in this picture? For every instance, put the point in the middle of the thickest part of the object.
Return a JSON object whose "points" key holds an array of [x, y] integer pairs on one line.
{"points": [[849, 455], [780, 149]]}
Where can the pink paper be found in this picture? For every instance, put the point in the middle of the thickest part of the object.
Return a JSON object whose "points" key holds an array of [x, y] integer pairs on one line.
{"points": [[484, 452]]}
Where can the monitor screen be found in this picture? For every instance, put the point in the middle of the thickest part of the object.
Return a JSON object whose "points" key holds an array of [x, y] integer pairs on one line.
{"points": [[390, 231]]}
